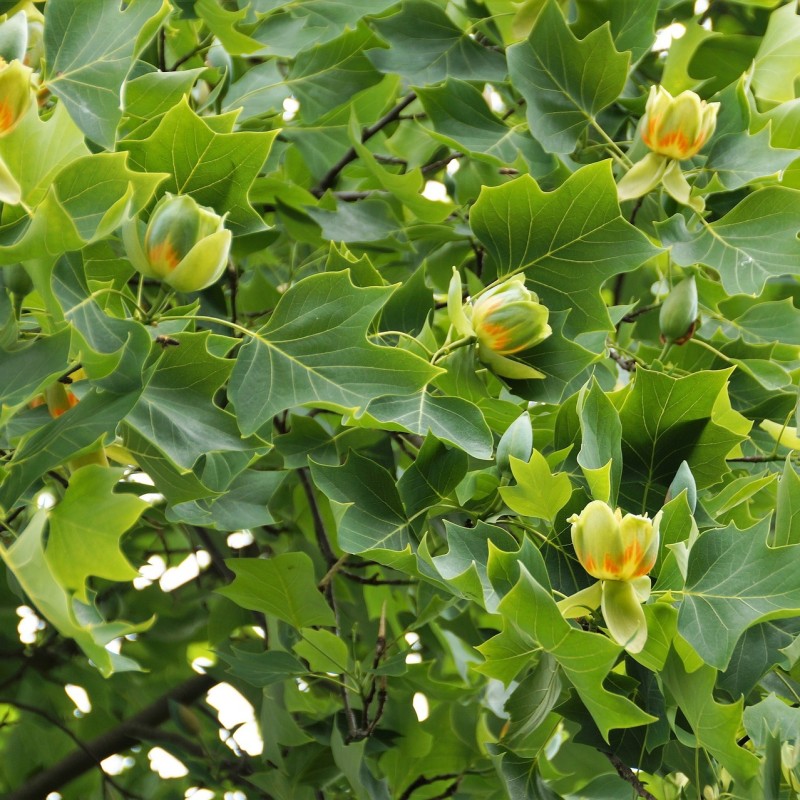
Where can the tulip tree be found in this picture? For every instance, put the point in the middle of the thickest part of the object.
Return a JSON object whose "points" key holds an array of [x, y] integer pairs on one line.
{"points": [[420, 375]]}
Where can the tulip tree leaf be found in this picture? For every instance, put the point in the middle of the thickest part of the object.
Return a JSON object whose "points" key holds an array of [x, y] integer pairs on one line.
{"points": [[28, 563], [715, 725], [668, 420], [373, 516], [734, 581], [566, 82], [600, 456], [90, 46], [787, 516], [776, 67], [283, 586], [630, 22], [586, 658], [83, 544], [216, 168], [754, 241], [538, 493], [425, 46], [313, 350], [569, 241]]}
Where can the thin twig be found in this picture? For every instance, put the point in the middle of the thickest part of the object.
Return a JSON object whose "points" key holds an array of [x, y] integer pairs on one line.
{"points": [[423, 780], [628, 364], [633, 315], [756, 459], [376, 580], [319, 524], [329, 179]]}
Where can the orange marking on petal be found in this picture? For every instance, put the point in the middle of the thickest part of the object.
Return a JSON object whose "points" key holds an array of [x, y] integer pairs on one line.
{"points": [[6, 117], [589, 565], [164, 253], [497, 333], [71, 402], [609, 565], [674, 137], [648, 135]]}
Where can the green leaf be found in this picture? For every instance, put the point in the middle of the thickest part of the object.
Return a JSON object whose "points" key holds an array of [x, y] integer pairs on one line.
{"points": [[566, 82], [600, 456], [74, 432], [425, 47], [262, 669], [534, 698], [569, 241], [222, 24], [461, 118], [715, 726], [27, 561], [754, 241], [372, 513], [154, 93], [777, 65], [215, 167], [283, 586], [586, 658], [631, 22], [735, 581], [538, 493], [29, 368], [432, 477], [326, 76], [89, 50], [451, 419], [771, 716], [323, 650], [314, 350], [83, 544], [766, 322], [668, 420], [787, 515]]}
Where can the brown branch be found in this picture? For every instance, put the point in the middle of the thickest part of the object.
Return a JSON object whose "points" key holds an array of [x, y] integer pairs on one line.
{"points": [[115, 740], [633, 315], [319, 524], [628, 364], [376, 580], [756, 459], [329, 178], [627, 774], [442, 162], [423, 780]]}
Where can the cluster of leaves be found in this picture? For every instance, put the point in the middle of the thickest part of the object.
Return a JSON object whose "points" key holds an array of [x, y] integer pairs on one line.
{"points": [[399, 513]]}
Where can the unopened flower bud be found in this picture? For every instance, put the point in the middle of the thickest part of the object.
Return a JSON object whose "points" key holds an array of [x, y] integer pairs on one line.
{"points": [[677, 127], [184, 244], [15, 94], [612, 547], [509, 318], [14, 37], [679, 312]]}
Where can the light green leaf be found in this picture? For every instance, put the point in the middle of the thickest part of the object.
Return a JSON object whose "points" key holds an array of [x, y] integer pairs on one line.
{"points": [[586, 658], [223, 23], [569, 241], [631, 22], [538, 493], [83, 544], [600, 456], [426, 46], [283, 586], [89, 50], [735, 581], [772, 715], [565, 81], [715, 726], [324, 651], [754, 241], [314, 350], [777, 64], [787, 515], [215, 167]]}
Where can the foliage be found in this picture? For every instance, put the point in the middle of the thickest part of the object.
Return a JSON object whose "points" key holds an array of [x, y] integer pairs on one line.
{"points": [[415, 333]]}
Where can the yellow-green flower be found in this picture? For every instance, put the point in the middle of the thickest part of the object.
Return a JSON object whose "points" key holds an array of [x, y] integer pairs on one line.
{"points": [[619, 551], [505, 320], [677, 127], [184, 244], [15, 94], [674, 128]]}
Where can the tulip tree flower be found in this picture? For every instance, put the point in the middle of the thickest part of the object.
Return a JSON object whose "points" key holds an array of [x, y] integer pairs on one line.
{"points": [[504, 320], [184, 244], [15, 99], [619, 551], [674, 128]]}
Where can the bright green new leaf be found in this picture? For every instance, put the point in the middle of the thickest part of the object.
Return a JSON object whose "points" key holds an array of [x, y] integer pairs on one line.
{"points": [[787, 515], [83, 543], [538, 493], [283, 586], [600, 456], [777, 63]]}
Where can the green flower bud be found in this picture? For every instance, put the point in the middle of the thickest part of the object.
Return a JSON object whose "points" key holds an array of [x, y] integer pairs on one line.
{"points": [[15, 94], [509, 318], [612, 547], [14, 37], [677, 127], [184, 244], [679, 312]]}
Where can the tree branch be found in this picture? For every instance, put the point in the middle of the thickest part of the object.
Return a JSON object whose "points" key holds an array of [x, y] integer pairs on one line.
{"points": [[627, 774], [329, 178], [120, 738], [423, 780]]}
